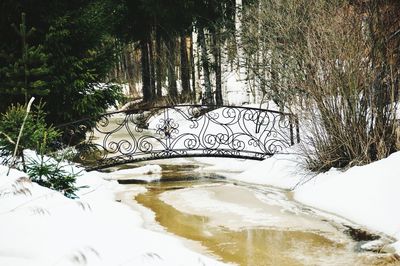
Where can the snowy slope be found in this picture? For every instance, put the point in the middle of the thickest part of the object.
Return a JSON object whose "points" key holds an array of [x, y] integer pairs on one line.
{"points": [[367, 195], [39, 226]]}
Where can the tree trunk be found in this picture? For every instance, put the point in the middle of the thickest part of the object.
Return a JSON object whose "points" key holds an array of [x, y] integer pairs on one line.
{"points": [[158, 64], [172, 88], [193, 70], [217, 67], [152, 69], [130, 70], [207, 98], [185, 70], [146, 89], [218, 74]]}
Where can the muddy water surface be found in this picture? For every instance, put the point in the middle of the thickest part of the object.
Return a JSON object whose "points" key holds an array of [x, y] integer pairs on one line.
{"points": [[246, 224]]}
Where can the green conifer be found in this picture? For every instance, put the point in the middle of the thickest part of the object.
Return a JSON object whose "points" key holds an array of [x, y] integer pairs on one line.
{"points": [[24, 73]]}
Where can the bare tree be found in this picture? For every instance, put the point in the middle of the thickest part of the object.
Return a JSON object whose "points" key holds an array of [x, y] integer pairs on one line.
{"points": [[336, 55]]}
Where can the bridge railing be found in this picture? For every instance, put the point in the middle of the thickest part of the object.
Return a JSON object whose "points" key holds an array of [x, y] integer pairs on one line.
{"points": [[180, 131]]}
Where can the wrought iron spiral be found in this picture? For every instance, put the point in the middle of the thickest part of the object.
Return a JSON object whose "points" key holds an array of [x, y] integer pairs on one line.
{"points": [[179, 131]]}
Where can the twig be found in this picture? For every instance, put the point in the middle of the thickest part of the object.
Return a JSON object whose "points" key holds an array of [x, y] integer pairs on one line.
{"points": [[8, 137], [28, 109]]}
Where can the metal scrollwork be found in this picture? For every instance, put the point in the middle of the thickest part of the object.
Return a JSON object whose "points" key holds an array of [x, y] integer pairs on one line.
{"points": [[180, 131]]}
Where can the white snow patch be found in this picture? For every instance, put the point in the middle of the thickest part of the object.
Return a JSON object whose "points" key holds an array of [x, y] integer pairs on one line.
{"points": [[202, 201], [147, 173], [39, 226], [226, 167], [244, 208], [367, 195], [283, 170], [396, 247]]}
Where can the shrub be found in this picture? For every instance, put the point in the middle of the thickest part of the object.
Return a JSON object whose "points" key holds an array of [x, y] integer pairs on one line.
{"points": [[338, 61], [36, 132], [52, 174], [353, 86], [36, 135]]}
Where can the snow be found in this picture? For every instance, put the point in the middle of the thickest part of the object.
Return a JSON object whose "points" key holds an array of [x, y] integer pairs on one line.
{"points": [[367, 195], [39, 226], [199, 201], [281, 170], [244, 207], [374, 245], [223, 166], [147, 173], [396, 246], [236, 90]]}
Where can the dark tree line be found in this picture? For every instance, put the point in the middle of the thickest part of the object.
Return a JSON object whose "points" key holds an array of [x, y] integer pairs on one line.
{"points": [[164, 32], [59, 52], [65, 52]]}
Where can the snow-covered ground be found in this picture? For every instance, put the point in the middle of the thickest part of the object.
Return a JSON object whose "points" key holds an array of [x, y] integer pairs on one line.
{"points": [[39, 226]]}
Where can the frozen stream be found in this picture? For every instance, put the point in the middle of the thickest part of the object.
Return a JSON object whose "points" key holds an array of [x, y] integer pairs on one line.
{"points": [[243, 224]]}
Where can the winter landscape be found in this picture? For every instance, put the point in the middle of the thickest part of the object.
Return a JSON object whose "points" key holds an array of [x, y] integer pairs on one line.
{"points": [[257, 132]]}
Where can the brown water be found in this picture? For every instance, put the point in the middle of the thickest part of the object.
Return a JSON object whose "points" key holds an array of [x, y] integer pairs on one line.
{"points": [[299, 238]]}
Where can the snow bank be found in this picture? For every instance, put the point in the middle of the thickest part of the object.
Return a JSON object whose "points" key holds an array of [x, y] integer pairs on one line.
{"points": [[281, 170], [147, 173], [39, 226], [367, 195], [226, 167]]}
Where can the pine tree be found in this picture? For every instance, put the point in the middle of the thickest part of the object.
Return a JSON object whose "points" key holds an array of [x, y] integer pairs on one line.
{"points": [[65, 62], [23, 74]]}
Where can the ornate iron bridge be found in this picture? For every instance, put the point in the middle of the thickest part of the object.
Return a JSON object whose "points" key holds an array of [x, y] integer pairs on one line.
{"points": [[180, 131]]}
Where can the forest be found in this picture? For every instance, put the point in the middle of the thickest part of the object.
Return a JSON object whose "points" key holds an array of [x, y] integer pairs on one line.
{"points": [[338, 60], [199, 132]]}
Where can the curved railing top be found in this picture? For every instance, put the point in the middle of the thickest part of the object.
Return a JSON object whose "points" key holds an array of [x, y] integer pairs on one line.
{"points": [[148, 108], [180, 131]]}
